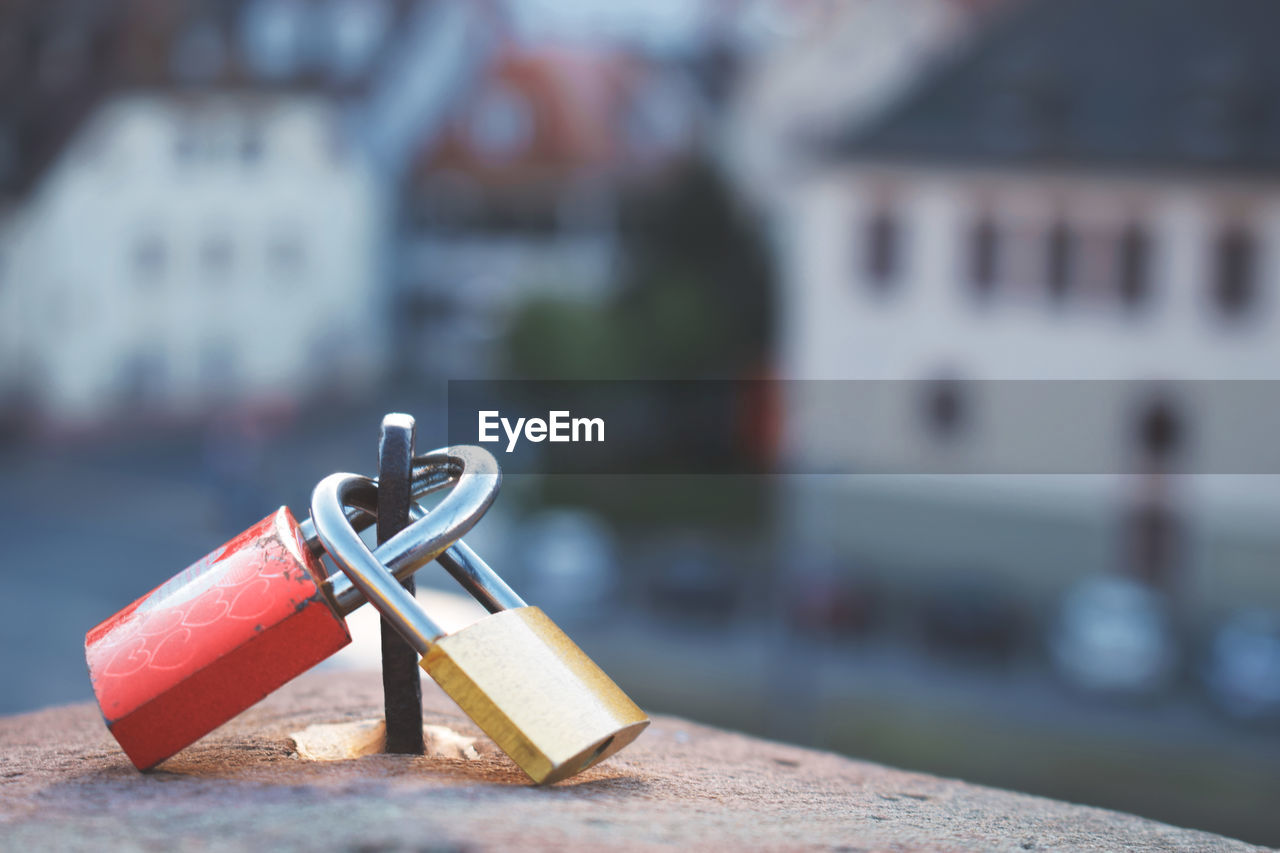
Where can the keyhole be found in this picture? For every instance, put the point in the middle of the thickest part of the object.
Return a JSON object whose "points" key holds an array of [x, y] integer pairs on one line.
{"points": [[595, 756]]}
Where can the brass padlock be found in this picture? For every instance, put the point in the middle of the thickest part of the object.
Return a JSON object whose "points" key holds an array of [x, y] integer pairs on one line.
{"points": [[517, 675]]}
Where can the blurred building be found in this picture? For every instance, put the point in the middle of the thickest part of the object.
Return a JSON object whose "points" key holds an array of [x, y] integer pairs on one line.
{"points": [[196, 194], [1081, 191], [518, 195], [839, 65], [464, 158], [189, 250]]}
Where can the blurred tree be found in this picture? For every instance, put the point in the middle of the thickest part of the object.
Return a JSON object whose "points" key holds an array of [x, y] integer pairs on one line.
{"points": [[694, 302], [562, 339]]}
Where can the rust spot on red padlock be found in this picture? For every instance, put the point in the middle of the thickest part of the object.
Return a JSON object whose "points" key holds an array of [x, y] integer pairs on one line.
{"points": [[213, 640]]}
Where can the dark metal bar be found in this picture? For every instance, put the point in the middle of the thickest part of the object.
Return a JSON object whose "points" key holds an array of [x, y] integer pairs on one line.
{"points": [[401, 682]]}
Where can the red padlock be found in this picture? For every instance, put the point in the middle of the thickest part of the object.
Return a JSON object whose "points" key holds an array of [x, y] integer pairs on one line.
{"points": [[255, 613]]}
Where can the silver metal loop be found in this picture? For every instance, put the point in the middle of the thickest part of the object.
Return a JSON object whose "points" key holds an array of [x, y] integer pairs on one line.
{"points": [[373, 574], [477, 578], [474, 474], [366, 572], [360, 500], [362, 506], [431, 473], [477, 482]]}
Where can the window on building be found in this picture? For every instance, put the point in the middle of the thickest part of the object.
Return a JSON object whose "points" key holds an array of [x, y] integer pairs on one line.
{"points": [[1152, 535], [984, 248], [56, 309], [273, 35], [1234, 272], [286, 256], [1159, 430], [217, 255], [882, 250], [355, 30], [944, 408], [502, 124], [143, 377], [1059, 260], [186, 146], [1133, 266], [218, 367], [150, 258], [251, 145]]}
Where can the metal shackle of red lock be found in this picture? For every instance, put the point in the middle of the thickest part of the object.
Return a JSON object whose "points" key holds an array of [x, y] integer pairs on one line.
{"points": [[258, 611]]}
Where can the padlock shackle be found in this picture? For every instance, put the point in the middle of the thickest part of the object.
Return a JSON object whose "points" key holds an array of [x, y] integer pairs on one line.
{"points": [[432, 472], [477, 578], [476, 483], [366, 571], [466, 566], [373, 573]]}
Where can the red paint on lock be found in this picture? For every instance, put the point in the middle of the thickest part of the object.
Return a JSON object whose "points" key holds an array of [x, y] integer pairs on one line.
{"points": [[212, 640]]}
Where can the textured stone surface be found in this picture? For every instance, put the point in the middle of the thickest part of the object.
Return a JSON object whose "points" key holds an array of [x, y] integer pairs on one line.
{"points": [[65, 784]]}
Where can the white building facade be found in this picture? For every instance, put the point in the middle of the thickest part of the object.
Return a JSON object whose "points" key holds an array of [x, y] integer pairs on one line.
{"points": [[930, 278], [909, 272], [188, 251], [992, 227]]}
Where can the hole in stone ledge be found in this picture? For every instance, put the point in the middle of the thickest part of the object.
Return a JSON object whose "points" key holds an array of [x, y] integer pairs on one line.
{"points": [[343, 741]]}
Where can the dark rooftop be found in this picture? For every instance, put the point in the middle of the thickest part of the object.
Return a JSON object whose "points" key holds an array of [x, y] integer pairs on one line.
{"points": [[1185, 84], [59, 59]]}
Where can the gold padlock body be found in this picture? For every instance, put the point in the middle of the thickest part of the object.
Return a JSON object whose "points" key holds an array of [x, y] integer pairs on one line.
{"points": [[534, 692]]}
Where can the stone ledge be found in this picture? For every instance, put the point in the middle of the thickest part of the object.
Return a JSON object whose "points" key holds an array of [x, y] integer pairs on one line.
{"points": [[681, 785]]}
